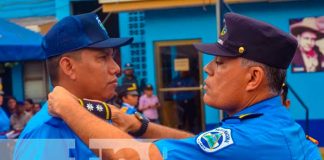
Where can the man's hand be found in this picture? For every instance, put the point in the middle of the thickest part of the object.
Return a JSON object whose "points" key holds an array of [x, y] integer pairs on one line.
{"points": [[125, 122], [59, 101]]}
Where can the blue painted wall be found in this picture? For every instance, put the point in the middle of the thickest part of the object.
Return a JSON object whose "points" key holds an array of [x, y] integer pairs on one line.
{"points": [[180, 24], [26, 8], [30, 8], [62, 9], [174, 24], [124, 32]]}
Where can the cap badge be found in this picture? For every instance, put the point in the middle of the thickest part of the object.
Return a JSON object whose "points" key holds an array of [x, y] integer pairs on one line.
{"points": [[241, 50], [101, 25], [224, 30], [132, 88]]}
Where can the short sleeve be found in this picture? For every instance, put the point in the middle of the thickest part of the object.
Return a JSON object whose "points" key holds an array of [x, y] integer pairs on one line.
{"points": [[184, 149]]}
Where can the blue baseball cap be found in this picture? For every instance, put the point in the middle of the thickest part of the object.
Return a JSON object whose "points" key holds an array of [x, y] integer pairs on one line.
{"points": [[77, 32]]}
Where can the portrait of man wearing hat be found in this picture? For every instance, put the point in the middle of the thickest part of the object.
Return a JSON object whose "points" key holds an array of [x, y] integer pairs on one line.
{"points": [[308, 57], [80, 58], [244, 79]]}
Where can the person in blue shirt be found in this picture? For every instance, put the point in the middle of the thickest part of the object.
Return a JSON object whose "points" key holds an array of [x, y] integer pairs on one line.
{"points": [[244, 80], [79, 56], [128, 98], [4, 120]]}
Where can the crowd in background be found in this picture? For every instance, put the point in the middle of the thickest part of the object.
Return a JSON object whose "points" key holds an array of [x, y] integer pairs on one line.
{"points": [[132, 97], [15, 114]]}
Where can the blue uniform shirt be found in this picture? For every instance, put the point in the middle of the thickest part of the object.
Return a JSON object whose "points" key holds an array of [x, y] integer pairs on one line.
{"points": [[4, 123], [56, 140], [267, 133], [128, 109]]}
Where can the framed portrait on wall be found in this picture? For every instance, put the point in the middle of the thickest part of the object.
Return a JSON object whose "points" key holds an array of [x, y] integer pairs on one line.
{"points": [[309, 32]]}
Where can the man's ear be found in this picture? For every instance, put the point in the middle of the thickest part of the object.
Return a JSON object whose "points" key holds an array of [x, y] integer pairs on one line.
{"points": [[287, 103], [67, 66], [255, 77], [124, 98]]}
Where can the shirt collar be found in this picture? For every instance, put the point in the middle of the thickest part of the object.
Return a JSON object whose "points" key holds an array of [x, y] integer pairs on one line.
{"points": [[128, 105], [261, 106]]}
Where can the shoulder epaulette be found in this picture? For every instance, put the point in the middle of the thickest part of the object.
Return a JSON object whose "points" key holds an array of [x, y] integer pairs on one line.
{"points": [[312, 139], [98, 108], [244, 116]]}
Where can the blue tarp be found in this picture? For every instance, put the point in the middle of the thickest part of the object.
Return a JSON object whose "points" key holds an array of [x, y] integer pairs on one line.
{"points": [[18, 43]]}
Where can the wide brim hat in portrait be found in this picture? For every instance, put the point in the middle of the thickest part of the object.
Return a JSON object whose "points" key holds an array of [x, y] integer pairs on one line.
{"points": [[307, 24]]}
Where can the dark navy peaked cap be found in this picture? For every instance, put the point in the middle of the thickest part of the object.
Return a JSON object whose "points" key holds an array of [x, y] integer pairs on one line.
{"points": [[254, 40], [77, 32]]}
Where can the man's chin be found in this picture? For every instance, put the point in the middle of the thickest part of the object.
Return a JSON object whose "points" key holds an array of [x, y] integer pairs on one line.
{"points": [[207, 100]]}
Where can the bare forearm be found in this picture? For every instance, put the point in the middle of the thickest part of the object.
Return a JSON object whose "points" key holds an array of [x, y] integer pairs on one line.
{"points": [[88, 126], [156, 131]]}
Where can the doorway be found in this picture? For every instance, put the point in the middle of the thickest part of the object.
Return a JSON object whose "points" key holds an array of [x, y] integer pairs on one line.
{"points": [[179, 85]]}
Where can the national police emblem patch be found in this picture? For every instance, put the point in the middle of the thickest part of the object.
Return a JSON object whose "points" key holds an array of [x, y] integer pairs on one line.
{"points": [[214, 140], [101, 25]]}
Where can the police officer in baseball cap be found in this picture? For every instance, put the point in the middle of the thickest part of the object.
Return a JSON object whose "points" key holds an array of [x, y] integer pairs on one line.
{"points": [[80, 58], [244, 80], [129, 76], [128, 98]]}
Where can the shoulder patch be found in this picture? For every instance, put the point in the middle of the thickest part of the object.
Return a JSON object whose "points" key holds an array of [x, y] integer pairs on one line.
{"points": [[214, 140]]}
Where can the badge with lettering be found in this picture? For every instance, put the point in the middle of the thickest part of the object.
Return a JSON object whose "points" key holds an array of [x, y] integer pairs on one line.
{"points": [[214, 140]]}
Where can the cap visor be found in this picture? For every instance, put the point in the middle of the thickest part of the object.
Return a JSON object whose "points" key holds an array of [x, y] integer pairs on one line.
{"points": [[214, 49], [112, 43], [133, 93]]}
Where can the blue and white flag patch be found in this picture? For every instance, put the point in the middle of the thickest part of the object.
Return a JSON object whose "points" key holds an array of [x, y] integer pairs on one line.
{"points": [[214, 140]]}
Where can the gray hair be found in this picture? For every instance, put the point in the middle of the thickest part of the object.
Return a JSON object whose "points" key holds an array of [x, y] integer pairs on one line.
{"points": [[275, 76]]}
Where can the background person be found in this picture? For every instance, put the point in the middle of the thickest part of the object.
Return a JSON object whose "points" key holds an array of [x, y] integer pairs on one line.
{"points": [[129, 77], [149, 104], [19, 119], [128, 98], [4, 119], [29, 106]]}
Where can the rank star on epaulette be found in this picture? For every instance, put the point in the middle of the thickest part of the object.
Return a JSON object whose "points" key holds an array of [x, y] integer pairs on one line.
{"points": [[89, 106], [99, 108]]}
